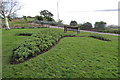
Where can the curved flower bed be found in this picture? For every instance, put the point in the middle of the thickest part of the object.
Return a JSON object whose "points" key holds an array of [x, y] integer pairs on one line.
{"points": [[38, 43], [41, 42]]}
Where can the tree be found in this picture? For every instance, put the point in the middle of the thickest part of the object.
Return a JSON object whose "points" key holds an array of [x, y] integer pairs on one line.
{"points": [[47, 15], [25, 18], [9, 19], [49, 19], [86, 26], [73, 23], [39, 17], [29, 17], [100, 25], [8, 9], [60, 21]]}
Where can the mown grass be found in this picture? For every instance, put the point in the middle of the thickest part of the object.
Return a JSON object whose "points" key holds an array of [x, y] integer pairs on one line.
{"points": [[111, 30], [20, 23], [72, 57], [38, 42], [0, 53], [11, 41]]}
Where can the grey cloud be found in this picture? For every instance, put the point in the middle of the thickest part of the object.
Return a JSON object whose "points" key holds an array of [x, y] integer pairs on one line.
{"points": [[108, 10], [105, 10]]}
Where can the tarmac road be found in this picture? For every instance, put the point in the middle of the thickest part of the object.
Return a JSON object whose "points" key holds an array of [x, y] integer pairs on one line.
{"points": [[89, 31]]}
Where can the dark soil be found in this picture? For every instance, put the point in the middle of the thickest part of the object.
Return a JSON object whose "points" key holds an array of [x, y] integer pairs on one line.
{"points": [[100, 38], [24, 34], [37, 53], [13, 61], [73, 36]]}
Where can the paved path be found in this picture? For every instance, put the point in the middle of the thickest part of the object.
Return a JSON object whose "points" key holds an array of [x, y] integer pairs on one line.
{"points": [[100, 33], [88, 31]]}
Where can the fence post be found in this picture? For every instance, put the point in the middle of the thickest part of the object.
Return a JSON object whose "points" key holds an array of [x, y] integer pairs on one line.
{"points": [[78, 30], [65, 29]]}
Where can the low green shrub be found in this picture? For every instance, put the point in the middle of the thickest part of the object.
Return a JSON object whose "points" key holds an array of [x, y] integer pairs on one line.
{"points": [[98, 36], [110, 31], [38, 42]]}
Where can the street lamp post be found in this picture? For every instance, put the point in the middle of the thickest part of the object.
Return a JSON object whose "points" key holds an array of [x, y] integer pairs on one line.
{"points": [[58, 11]]}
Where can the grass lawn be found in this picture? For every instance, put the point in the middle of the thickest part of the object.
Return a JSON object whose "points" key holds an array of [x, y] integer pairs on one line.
{"points": [[10, 41], [0, 53], [21, 23], [72, 57], [111, 30]]}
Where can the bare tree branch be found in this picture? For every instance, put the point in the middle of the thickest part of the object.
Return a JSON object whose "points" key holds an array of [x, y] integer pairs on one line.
{"points": [[9, 7]]}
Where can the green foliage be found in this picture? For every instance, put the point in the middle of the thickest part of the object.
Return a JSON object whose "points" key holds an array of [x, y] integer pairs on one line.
{"points": [[100, 25], [110, 31], [46, 13], [49, 19], [98, 36], [73, 23], [22, 23], [25, 18], [9, 18], [20, 60], [72, 57], [22, 52], [29, 17], [86, 26], [39, 17], [37, 43]]}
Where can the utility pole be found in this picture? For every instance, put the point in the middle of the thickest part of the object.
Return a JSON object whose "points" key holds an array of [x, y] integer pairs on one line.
{"points": [[58, 10]]}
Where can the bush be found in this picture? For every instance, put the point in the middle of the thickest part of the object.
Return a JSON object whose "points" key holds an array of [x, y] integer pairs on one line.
{"points": [[49, 19], [86, 26], [98, 36], [39, 17], [38, 42], [25, 18], [73, 23], [100, 25], [110, 31]]}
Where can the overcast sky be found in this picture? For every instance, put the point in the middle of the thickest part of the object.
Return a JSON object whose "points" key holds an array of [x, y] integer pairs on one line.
{"points": [[79, 10]]}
